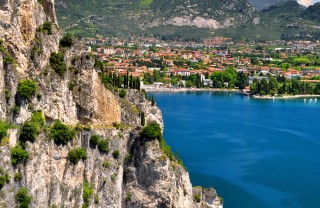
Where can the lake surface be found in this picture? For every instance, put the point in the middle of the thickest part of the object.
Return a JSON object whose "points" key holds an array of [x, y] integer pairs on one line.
{"points": [[256, 153]]}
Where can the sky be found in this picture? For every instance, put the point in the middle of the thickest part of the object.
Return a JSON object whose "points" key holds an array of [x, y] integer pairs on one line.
{"points": [[307, 2]]}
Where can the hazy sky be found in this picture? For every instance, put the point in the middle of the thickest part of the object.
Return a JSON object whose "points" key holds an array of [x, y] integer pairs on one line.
{"points": [[307, 2]]}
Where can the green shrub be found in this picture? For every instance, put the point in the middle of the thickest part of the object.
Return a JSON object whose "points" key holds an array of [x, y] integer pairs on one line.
{"points": [[151, 131], [197, 198], [122, 93], [38, 118], [57, 63], [66, 41], [47, 26], [103, 146], [7, 94], [129, 197], [8, 60], [2, 181], [16, 109], [17, 177], [94, 141], [106, 164], [35, 51], [96, 199], [3, 129], [71, 85], [18, 155], [29, 132], [127, 159], [61, 133], [77, 154], [22, 198], [116, 154], [7, 177], [26, 89], [87, 193]]}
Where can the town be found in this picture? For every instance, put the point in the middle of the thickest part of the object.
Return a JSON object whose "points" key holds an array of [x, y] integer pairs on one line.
{"points": [[272, 68]]}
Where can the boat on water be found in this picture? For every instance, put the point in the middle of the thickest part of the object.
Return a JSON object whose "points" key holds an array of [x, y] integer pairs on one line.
{"points": [[246, 92]]}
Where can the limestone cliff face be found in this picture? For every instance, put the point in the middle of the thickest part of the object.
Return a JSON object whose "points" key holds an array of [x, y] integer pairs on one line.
{"points": [[141, 175]]}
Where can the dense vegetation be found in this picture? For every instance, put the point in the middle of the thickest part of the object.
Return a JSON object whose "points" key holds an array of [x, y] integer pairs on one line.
{"points": [[74, 156], [113, 81], [61, 133], [281, 86], [103, 146], [57, 63], [26, 89], [87, 194], [46, 28], [18, 155], [66, 41], [4, 178], [94, 141], [22, 198], [4, 126]]}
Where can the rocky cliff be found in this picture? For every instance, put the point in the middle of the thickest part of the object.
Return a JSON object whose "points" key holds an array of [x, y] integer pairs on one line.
{"points": [[66, 140]]}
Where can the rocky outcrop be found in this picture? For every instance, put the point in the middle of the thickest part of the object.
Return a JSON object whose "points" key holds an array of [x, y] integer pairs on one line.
{"points": [[134, 172]]}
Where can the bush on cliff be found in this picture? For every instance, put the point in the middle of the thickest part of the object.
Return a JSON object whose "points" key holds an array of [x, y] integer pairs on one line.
{"points": [[94, 141], [74, 156], [3, 129], [61, 133], [66, 41], [26, 89], [57, 63], [18, 155], [152, 131], [22, 198], [29, 132], [116, 154], [31, 129], [103, 146], [86, 194]]}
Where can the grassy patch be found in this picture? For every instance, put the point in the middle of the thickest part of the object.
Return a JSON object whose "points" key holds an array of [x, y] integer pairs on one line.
{"points": [[145, 3], [87, 193]]}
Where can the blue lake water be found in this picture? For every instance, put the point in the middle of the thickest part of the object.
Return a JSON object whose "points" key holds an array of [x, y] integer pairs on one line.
{"points": [[256, 153]]}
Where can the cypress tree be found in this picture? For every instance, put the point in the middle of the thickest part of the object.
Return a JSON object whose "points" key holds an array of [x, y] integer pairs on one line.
{"points": [[131, 82]]}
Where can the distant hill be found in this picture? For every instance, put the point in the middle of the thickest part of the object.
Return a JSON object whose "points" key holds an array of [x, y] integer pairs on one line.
{"points": [[286, 20], [312, 12], [165, 18], [262, 4], [190, 19]]}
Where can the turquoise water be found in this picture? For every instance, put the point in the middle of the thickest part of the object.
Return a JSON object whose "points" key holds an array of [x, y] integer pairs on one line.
{"points": [[256, 153]]}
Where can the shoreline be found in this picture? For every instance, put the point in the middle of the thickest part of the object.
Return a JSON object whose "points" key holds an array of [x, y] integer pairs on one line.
{"points": [[285, 97], [192, 90]]}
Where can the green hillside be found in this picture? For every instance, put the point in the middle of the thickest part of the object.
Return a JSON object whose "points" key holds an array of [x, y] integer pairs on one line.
{"points": [[150, 18], [285, 21], [124, 18]]}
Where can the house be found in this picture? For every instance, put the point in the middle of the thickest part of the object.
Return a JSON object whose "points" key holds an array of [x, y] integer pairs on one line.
{"points": [[259, 78]]}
